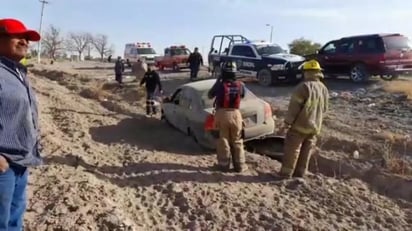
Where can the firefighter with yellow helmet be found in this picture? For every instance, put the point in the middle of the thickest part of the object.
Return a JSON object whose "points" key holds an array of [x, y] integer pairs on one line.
{"points": [[307, 107]]}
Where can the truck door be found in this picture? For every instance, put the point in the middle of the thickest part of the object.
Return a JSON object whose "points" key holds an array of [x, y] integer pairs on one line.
{"points": [[327, 55], [245, 58]]}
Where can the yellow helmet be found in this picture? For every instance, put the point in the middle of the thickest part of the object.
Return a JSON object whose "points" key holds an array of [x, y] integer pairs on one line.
{"points": [[311, 65], [24, 61]]}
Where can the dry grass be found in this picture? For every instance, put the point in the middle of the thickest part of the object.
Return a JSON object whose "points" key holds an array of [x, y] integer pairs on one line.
{"points": [[396, 163], [400, 86]]}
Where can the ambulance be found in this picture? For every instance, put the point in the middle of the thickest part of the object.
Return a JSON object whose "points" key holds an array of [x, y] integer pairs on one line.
{"points": [[140, 50]]}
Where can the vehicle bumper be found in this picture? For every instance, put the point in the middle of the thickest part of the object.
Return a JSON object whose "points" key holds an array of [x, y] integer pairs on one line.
{"points": [[183, 65], [258, 131], [397, 70], [286, 76], [252, 133], [289, 73]]}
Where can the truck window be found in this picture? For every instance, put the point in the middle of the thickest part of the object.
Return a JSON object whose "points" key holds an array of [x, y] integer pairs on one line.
{"points": [[329, 48], [146, 51], [245, 51], [346, 46], [179, 51], [370, 45], [268, 49], [397, 43]]}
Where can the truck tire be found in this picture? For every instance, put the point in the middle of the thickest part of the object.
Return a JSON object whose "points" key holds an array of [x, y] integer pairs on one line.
{"points": [[176, 67], [264, 77], [359, 73]]}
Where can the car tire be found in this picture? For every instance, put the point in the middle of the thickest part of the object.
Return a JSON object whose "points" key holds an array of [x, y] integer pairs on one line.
{"points": [[176, 67], [359, 73], [264, 77], [389, 77]]}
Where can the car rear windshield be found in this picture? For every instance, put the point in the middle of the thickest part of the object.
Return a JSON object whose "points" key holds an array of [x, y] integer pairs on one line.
{"points": [[397, 43], [146, 51], [208, 103]]}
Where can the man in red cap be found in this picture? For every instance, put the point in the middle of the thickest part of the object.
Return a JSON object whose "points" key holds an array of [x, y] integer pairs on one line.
{"points": [[19, 135]]}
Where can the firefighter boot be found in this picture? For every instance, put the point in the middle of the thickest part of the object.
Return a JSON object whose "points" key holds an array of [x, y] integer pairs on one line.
{"points": [[304, 156], [293, 143]]}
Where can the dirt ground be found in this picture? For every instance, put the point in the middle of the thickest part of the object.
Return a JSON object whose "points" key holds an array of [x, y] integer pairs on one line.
{"points": [[108, 167]]}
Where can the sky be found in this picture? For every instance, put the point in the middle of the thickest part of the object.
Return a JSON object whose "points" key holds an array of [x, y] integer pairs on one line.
{"points": [[195, 22]]}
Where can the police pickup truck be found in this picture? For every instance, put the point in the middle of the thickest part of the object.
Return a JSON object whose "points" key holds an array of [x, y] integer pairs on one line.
{"points": [[268, 62]]}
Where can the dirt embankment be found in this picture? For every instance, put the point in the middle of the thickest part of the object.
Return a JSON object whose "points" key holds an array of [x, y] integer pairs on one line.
{"points": [[110, 168]]}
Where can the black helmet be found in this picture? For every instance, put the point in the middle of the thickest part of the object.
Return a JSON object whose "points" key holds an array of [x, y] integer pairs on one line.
{"points": [[229, 67]]}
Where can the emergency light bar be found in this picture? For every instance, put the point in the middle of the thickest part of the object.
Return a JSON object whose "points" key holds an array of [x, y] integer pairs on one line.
{"points": [[174, 47], [143, 44]]}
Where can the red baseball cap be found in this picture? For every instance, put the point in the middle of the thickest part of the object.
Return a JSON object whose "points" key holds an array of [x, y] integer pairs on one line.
{"points": [[10, 26]]}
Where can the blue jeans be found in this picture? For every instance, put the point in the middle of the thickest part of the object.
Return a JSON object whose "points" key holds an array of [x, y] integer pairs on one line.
{"points": [[13, 184]]}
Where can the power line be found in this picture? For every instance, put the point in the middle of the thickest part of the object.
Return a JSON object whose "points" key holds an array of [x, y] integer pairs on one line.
{"points": [[43, 3]]}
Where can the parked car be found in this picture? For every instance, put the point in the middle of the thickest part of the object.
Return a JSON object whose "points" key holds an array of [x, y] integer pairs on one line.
{"points": [[362, 56], [268, 62], [175, 57], [188, 108]]}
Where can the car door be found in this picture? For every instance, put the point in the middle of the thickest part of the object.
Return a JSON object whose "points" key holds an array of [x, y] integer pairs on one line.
{"points": [[345, 56], [183, 112], [246, 59], [327, 57], [171, 109]]}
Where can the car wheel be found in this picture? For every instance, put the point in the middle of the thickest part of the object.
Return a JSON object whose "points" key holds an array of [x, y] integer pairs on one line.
{"points": [[265, 77], [176, 67], [389, 77], [359, 73]]}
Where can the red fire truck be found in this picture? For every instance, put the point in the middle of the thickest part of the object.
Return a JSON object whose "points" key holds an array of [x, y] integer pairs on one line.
{"points": [[175, 57]]}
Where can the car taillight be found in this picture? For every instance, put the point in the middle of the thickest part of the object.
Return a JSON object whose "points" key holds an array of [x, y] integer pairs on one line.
{"points": [[268, 111]]}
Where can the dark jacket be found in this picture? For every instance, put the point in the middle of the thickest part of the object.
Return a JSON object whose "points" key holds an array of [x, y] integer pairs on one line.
{"points": [[152, 80], [217, 91], [19, 128], [118, 67], [195, 59]]}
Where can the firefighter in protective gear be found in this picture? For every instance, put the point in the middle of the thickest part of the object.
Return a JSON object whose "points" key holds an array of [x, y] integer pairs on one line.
{"points": [[307, 106], [228, 93]]}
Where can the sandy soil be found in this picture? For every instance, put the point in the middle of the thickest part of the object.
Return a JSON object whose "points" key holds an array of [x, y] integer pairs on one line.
{"points": [[107, 167]]}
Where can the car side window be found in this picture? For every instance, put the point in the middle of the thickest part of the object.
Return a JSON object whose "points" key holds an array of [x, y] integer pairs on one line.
{"points": [[369, 45], [346, 47], [167, 52], [176, 95], [329, 48], [243, 51]]}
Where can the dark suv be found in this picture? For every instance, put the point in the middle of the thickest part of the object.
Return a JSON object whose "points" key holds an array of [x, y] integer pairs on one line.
{"points": [[386, 55]]}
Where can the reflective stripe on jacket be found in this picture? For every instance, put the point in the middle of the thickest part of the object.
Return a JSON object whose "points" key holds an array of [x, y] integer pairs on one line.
{"points": [[308, 104]]}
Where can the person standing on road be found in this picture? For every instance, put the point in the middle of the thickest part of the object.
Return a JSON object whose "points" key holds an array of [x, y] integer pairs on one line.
{"points": [[152, 81], [195, 60], [228, 93], [118, 70], [19, 135], [308, 104]]}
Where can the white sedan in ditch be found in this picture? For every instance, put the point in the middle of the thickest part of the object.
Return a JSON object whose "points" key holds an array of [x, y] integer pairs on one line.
{"points": [[188, 108]]}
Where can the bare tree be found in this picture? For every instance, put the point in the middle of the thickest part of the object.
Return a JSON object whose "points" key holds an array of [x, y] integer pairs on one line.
{"points": [[52, 41], [78, 42], [101, 44]]}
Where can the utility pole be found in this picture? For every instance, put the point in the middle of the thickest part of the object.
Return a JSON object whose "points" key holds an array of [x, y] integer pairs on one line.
{"points": [[43, 3], [271, 31]]}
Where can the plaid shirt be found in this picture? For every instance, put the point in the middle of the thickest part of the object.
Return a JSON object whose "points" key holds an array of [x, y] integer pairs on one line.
{"points": [[19, 132]]}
